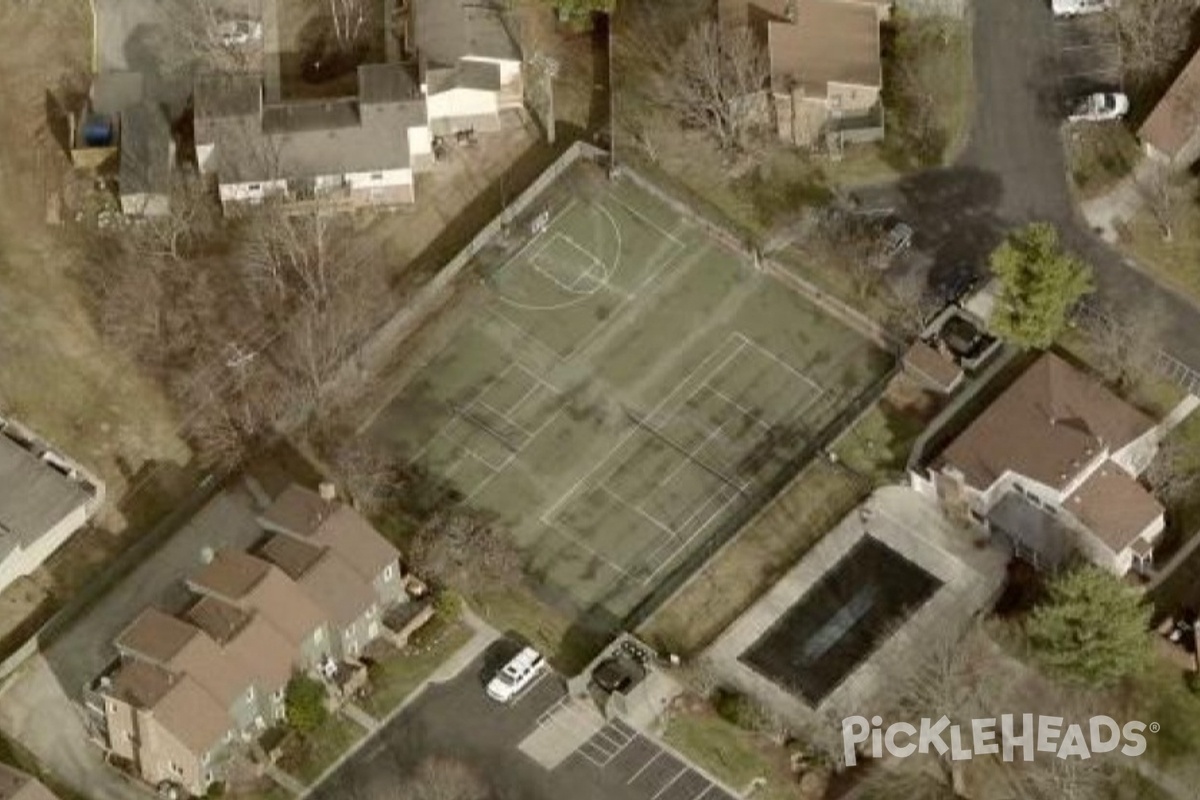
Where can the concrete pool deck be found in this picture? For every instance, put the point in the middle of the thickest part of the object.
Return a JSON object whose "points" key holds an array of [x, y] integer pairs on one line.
{"points": [[972, 576]]}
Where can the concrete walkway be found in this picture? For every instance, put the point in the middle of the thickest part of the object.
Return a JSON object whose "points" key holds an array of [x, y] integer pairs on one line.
{"points": [[285, 780], [483, 637], [1119, 204], [360, 716]]}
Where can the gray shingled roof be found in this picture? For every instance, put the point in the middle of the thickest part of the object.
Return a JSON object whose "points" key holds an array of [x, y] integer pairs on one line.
{"points": [[308, 139], [447, 30], [34, 497]]}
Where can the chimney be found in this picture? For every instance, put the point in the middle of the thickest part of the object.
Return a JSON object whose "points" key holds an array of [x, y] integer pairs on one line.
{"points": [[327, 491]]}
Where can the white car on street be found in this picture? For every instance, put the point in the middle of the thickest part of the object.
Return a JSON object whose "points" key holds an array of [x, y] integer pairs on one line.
{"points": [[1100, 107]]}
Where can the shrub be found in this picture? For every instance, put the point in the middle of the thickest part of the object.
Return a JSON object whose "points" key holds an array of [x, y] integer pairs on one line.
{"points": [[305, 704]]}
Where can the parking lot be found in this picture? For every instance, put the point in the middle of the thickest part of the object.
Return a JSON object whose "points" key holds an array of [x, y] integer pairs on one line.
{"points": [[456, 720], [1088, 50]]}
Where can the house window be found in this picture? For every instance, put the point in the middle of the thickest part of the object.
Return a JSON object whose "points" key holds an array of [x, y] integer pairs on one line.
{"points": [[209, 777], [319, 635], [389, 571], [112, 707], [254, 187], [250, 694], [376, 176], [278, 694]]}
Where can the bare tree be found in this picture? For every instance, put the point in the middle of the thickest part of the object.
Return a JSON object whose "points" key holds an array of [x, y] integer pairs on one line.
{"points": [[201, 29], [192, 220], [1157, 190], [464, 551], [444, 779], [852, 244], [716, 82], [913, 303], [1154, 34], [1127, 339]]}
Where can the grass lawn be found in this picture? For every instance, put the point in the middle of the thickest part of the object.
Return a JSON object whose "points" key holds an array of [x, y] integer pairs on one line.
{"points": [[306, 757], [1153, 395], [1099, 156], [731, 754], [273, 792], [764, 549], [1175, 262], [518, 611], [396, 677]]}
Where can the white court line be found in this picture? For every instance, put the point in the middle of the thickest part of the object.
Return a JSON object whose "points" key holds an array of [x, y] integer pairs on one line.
{"points": [[654, 226], [515, 453], [503, 417], [691, 375], [547, 516], [688, 541], [646, 515], [671, 782], [563, 212], [645, 766], [707, 788], [745, 411], [780, 362]]}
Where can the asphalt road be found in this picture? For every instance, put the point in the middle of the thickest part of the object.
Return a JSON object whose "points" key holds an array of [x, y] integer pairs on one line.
{"points": [[456, 720], [1014, 171]]}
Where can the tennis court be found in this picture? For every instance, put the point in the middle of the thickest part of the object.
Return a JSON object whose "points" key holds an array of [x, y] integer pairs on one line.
{"points": [[628, 391]]}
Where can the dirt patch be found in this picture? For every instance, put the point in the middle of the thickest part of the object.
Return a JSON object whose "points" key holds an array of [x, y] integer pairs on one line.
{"points": [[56, 375]]}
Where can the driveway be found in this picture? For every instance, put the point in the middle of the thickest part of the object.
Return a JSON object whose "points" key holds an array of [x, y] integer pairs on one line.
{"points": [[456, 720], [1014, 171], [144, 36]]}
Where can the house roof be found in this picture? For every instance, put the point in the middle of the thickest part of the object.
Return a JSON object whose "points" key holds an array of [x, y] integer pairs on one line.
{"points": [[224, 678], [291, 554], [266, 655], [286, 606], [481, 75], [17, 785], [1173, 122], [146, 151], [830, 42], [232, 574], [156, 636], [1114, 506], [335, 525], [1048, 425], [311, 138], [188, 713], [340, 592], [34, 496], [218, 619], [139, 683], [931, 366], [446, 30]]}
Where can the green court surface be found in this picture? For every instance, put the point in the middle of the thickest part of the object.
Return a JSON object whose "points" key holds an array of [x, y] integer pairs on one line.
{"points": [[630, 391]]}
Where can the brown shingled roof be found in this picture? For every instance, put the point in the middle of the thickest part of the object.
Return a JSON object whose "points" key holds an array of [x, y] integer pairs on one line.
{"points": [[830, 42], [1114, 506], [231, 574], [218, 619], [932, 367], [268, 657], [1175, 119], [1047, 426], [140, 683], [338, 589], [192, 716], [334, 525], [156, 636], [291, 554]]}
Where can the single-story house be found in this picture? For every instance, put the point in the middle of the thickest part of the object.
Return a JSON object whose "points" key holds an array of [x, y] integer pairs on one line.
{"points": [[360, 150]]}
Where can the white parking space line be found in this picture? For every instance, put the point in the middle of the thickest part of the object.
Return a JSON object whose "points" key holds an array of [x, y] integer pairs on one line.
{"points": [[636, 775], [668, 784]]}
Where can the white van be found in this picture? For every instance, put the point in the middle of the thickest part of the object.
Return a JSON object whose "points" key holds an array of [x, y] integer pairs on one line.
{"points": [[517, 674], [1071, 8]]}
